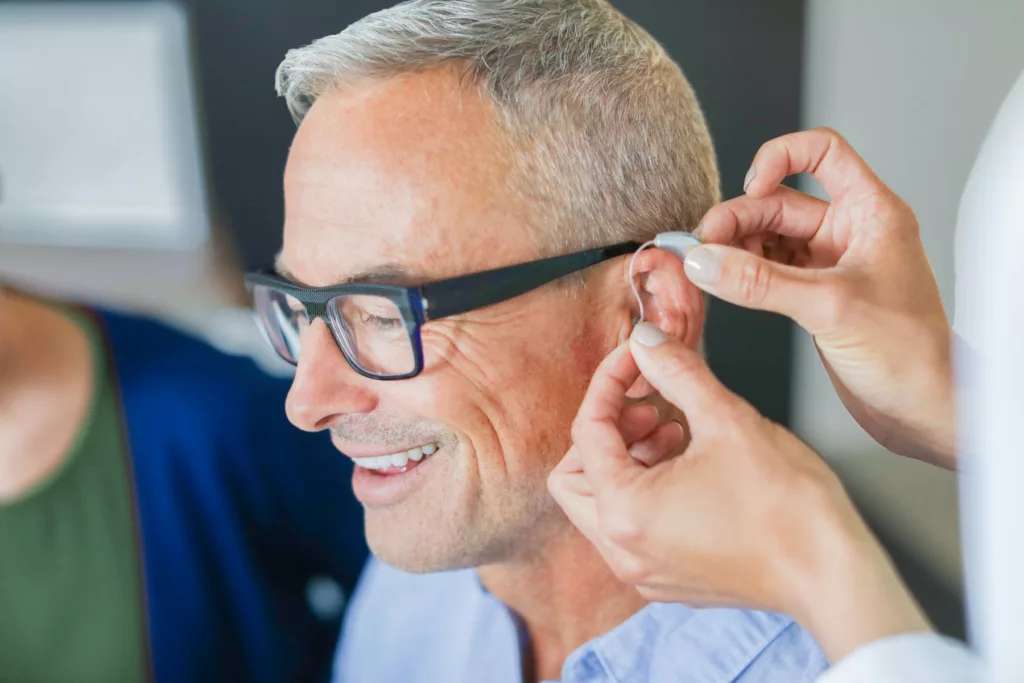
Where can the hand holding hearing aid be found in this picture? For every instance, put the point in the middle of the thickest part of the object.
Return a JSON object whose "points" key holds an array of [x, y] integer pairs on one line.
{"points": [[852, 272], [748, 515]]}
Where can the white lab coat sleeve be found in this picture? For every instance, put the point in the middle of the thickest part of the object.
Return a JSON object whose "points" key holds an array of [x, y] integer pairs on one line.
{"points": [[909, 658], [990, 377]]}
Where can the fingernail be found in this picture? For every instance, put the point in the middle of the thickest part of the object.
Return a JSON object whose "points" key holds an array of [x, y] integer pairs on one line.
{"points": [[749, 177], [703, 265], [646, 334]]}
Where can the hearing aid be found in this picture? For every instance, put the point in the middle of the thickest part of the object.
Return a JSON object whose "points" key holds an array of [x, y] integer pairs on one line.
{"points": [[677, 243]]}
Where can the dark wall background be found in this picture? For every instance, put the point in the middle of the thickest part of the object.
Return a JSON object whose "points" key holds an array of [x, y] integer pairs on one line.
{"points": [[239, 44]]}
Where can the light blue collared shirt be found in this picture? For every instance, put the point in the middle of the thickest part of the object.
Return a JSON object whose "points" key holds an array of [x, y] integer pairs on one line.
{"points": [[429, 628]]}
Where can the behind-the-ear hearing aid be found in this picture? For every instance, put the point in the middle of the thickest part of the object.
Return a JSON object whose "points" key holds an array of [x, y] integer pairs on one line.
{"points": [[677, 242]]}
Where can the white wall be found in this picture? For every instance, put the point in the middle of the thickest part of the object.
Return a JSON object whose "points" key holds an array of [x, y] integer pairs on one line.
{"points": [[913, 84]]}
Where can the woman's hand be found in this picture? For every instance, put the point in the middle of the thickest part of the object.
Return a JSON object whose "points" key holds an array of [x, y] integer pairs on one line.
{"points": [[852, 272], [748, 515]]}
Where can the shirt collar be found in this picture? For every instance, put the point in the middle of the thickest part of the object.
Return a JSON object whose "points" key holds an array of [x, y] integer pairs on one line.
{"points": [[697, 646]]}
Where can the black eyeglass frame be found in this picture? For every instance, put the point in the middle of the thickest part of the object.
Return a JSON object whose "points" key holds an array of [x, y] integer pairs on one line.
{"points": [[439, 299]]}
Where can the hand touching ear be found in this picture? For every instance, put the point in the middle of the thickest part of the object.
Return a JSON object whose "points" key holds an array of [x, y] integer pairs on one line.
{"points": [[748, 515]]}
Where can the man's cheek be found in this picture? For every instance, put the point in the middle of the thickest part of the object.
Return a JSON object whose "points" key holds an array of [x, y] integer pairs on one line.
{"points": [[459, 362]]}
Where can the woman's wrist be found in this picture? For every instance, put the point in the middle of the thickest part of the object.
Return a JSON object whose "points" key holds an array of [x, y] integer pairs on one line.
{"points": [[848, 592], [943, 442], [935, 438], [840, 585]]}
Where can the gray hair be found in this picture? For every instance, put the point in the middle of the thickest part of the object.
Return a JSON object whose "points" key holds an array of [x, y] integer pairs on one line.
{"points": [[610, 142]]}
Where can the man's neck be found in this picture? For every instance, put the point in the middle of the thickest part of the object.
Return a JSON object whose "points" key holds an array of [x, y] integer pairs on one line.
{"points": [[46, 387], [566, 595]]}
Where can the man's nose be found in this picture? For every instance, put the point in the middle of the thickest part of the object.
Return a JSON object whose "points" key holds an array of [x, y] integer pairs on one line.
{"points": [[325, 385]]}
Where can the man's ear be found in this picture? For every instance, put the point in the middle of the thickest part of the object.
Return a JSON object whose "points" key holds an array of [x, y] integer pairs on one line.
{"points": [[670, 301]]}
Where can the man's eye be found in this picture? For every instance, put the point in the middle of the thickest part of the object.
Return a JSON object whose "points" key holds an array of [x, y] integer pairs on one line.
{"points": [[381, 322]]}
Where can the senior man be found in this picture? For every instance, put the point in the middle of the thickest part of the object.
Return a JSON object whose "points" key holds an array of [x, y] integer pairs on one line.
{"points": [[467, 179]]}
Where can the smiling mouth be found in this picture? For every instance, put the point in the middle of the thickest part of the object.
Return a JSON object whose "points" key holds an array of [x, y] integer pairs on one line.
{"points": [[398, 463]]}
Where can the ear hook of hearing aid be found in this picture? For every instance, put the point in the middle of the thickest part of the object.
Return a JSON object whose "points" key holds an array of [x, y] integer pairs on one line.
{"points": [[632, 281], [677, 242]]}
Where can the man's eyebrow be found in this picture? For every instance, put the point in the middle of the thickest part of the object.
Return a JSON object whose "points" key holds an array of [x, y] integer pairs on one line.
{"points": [[387, 274]]}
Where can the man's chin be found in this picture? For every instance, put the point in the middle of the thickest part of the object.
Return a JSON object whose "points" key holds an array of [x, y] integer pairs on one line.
{"points": [[415, 546], [419, 560]]}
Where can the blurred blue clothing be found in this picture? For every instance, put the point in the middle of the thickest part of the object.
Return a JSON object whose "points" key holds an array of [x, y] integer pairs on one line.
{"points": [[239, 513], [448, 627]]}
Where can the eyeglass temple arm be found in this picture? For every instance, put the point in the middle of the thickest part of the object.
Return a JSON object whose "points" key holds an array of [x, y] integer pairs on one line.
{"points": [[469, 292]]}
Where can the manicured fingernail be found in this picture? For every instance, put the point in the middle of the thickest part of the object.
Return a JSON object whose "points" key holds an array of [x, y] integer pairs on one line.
{"points": [[703, 265], [646, 334], [749, 177]]}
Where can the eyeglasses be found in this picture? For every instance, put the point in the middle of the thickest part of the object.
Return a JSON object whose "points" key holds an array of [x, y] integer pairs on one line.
{"points": [[377, 327]]}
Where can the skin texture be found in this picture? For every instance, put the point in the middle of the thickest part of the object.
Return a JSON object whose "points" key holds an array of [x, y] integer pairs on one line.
{"points": [[46, 383], [406, 181]]}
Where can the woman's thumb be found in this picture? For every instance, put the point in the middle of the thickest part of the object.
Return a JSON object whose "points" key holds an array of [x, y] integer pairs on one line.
{"points": [[744, 279], [678, 373]]}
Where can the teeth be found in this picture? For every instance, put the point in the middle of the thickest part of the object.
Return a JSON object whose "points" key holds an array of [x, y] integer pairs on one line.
{"points": [[399, 460]]}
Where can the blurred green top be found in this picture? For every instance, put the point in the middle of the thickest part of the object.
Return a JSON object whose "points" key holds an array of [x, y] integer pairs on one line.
{"points": [[70, 594]]}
